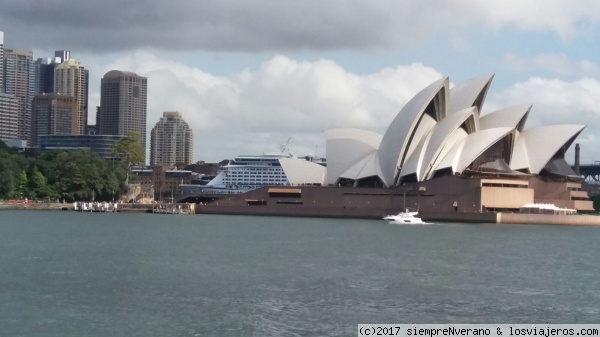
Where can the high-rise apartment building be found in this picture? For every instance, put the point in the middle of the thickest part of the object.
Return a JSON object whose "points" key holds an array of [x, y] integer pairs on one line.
{"points": [[9, 118], [53, 114], [1, 62], [72, 79], [122, 110], [18, 81], [171, 141]]}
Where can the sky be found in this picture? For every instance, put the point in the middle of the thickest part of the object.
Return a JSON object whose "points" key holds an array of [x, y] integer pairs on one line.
{"points": [[249, 76]]}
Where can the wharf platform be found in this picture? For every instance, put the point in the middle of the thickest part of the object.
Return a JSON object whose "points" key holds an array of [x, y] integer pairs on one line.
{"points": [[158, 208], [515, 218]]}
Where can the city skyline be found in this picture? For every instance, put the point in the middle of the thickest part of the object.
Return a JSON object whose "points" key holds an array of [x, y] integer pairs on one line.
{"points": [[252, 75]]}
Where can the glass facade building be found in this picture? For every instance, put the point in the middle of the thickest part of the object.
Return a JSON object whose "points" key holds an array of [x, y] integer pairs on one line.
{"points": [[101, 144]]}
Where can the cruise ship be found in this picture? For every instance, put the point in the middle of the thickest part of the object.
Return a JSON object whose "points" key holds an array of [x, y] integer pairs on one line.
{"points": [[251, 171], [248, 172]]}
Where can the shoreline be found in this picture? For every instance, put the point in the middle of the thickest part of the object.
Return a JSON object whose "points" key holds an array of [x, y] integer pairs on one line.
{"points": [[53, 206], [122, 208], [497, 218]]}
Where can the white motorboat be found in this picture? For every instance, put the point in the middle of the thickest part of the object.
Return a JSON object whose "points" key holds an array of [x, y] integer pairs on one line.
{"points": [[405, 217]]}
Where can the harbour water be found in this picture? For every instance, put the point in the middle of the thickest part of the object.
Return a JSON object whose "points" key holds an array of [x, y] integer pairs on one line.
{"points": [[104, 274]]}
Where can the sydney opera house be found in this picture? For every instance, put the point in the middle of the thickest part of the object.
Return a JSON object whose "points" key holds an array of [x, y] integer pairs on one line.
{"points": [[438, 155]]}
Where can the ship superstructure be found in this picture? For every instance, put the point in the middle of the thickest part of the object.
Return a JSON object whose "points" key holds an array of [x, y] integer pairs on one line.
{"points": [[252, 171]]}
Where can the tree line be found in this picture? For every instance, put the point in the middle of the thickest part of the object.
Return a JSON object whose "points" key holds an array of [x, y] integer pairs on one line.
{"points": [[69, 175]]}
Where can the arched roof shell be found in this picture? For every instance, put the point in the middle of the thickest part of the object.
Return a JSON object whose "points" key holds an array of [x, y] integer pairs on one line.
{"points": [[514, 116], [469, 93], [407, 128], [302, 171], [346, 146], [535, 147], [465, 152], [366, 167], [439, 138]]}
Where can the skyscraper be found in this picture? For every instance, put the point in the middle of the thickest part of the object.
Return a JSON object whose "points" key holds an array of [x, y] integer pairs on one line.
{"points": [[1, 62], [122, 104], [43, 75], [171, 141], [71, 78], [9, 117], [18, 81], [53, 114], [9, 105], [44, 71]]}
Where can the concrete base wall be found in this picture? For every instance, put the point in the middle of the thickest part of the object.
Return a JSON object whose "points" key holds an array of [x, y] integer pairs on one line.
{"points": [[449, 198], [460, 217], [548, 219]]}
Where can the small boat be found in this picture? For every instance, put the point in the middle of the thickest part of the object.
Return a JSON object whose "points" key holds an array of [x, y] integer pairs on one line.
{"points": [[405, 217]]}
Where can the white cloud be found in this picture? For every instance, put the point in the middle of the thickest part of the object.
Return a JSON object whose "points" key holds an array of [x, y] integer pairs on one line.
{"points": [[553, 63], [567, 19], [257, 109]]}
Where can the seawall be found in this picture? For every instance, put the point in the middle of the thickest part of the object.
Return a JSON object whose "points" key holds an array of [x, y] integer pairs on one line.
{"points": [[548, 219]]}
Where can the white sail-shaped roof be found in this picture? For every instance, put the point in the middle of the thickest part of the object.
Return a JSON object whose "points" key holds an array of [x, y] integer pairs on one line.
{"points": [[514, 116], [364, 168], [469, 93], [466, 151], [412, 123], [346, 146], [439, 131], [302, 171], [534, 148], [441, 137]]}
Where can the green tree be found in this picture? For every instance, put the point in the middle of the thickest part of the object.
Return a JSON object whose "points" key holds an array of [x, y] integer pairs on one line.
{"points": [[8, 173], [37, 184], [79, 174], [130, 150], [111, 186], [7, 184], [12, 163], [22, 189]]}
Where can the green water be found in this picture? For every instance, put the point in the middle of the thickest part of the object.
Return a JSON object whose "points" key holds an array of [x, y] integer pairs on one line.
{"points": [[91, 274]]}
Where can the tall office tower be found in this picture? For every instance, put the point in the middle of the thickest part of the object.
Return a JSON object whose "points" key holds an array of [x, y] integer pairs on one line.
{"points": [[71, 79], [1, 62], [53, 114], [18, 81], [171, 141], [9, 110], [43, 75], [44, 71], [122, 104]]}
